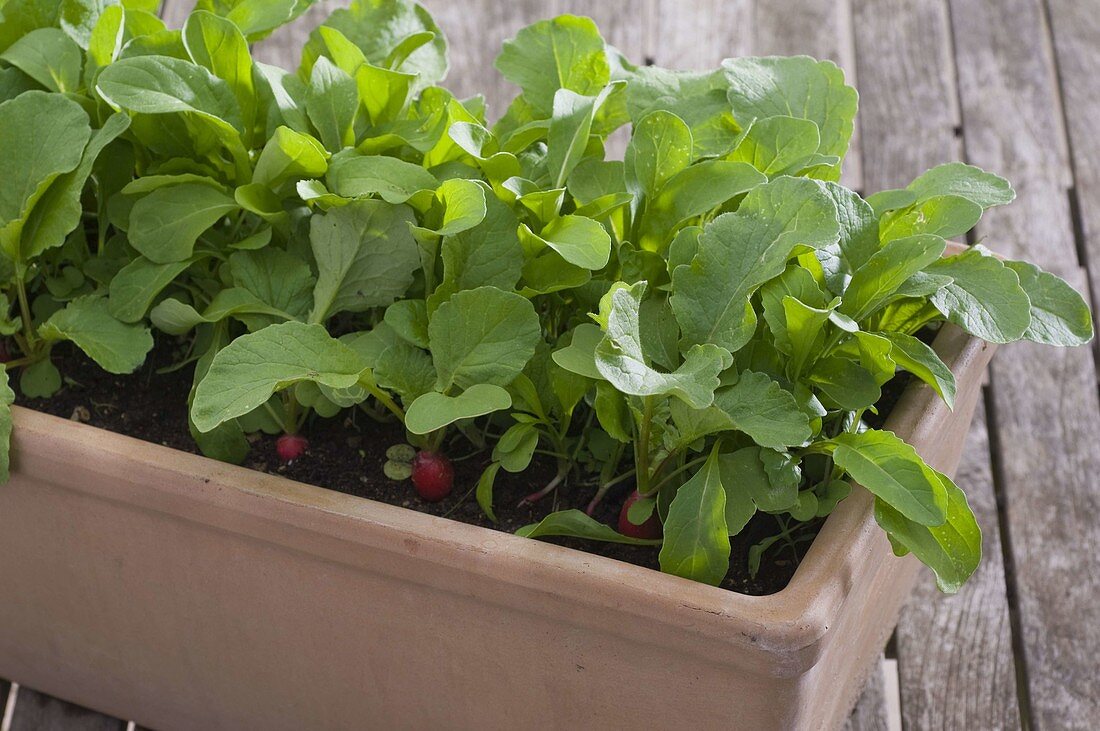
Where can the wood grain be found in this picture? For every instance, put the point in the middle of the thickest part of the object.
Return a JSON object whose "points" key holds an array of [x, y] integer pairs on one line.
{"points": [[174, 12], [962, 641], [697, 36], [870, 713], [1045, 406], [819, 28], [36, 711], [903, 57]]}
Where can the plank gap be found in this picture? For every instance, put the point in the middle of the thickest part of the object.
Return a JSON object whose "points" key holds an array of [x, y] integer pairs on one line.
{"points": [[1023, 692], [891, 649]]}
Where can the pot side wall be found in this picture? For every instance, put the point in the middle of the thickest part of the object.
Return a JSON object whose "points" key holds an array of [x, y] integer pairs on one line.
{"points": [[187, 594]]}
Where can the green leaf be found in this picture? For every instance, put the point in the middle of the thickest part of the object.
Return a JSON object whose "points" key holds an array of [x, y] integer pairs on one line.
{"points": [[383, 31], [409, 319], [740, 251], [435, 410], [945, 215], [619, 358], [7, 398], [164, 85], [697, 544], [137, 284], [245, 374], [564, 53], [768, 480], [279, 279], [845, 383], [580, 241], [576, 524], [894, 472], [965, 181], [489, 254], [920, 360], [798, 86], [40, 380], [176, 318], [165, 224], [887, 270], [858, 237], [483, 335], [760, 407], [219, 46], [393, 180], [516, 447], [484, 492], [256, 18], [44, 137], [952, 550], [366, 257], [570, 126], [58, 212], [48, 56], [87, 322], [332, 104], [660, 147], [1059, 314], [460, 206], [984, 298], [580, 355], [289, 155], [778, 145], [694, 191]]}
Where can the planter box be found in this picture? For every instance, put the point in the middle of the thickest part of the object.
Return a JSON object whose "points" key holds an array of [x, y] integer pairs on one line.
{"points": [[188, 594]]}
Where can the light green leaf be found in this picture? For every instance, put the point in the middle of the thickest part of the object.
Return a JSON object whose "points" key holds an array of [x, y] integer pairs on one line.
{"points": [[219, 46], [694, 191], [1059, 314], [516, 447], [435, 410], [945, 215], [580, 241], [966, 181], [278, 278], [332, 104], [87, 322], [984, 298], [245, 374], [366, 257], [48, 56], [580, 355], [845, 383], [256, 18], [740, 251], [393, 180], [409, 320], [165, 224], [484, 492], [564, 53], [460, 205], [176, 318], [44, 137], [660, 147], [778, 145], [40, 379], [894, 472], [289, 155], [796, 86], [697, 544], [570, 126], [489, 254], [920, 360], [619, 358], [760, 407], [7, 398], [952, 550], [886, 270], [135, 287], [482, 335], [165, 85], [576, 524]]}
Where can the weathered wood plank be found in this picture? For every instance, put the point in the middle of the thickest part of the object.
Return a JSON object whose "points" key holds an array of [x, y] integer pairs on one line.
{"points": [[907, 94], [1075, 27], [870, 713], [1045, 411], [284, 46], [962, 641], [909, 124], [174, 12], [697, 36], [36, 711], [819, 28]]}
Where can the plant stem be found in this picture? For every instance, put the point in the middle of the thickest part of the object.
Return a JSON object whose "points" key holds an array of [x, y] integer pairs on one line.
{"points": [[25, 310], [664, 481], [595, 503], [641, 450]]}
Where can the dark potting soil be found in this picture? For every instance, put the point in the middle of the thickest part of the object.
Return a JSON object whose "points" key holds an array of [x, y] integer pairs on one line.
{"points": [[347, 453]]}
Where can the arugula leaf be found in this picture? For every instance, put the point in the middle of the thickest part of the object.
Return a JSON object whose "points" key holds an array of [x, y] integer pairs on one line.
{"points": [[952, 550], [1059, 315], [697, 544], [760, 407], [740, 251], [984, 297], [245, 373], [576, 524]]}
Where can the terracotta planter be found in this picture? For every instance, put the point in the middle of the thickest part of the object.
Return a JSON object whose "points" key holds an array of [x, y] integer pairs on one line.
{"points": [[189, 594]]}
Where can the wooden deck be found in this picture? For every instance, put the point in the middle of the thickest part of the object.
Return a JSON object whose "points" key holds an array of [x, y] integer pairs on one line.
{"points": [[1012, 86]]}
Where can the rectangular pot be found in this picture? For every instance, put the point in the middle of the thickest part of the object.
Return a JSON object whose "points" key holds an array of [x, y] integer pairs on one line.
{"points": [[188, 594]]}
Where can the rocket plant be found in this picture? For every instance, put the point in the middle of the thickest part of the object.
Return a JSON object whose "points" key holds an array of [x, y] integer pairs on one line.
{"points": [[706, 321]]}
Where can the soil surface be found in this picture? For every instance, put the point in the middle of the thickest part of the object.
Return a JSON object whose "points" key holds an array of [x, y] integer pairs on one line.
{"points": [[347, 453]]}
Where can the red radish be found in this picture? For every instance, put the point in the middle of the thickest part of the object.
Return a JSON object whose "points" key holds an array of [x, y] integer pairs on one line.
{"points": [[432, 476], [650, 529], [290, 447], [5, 353]]}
